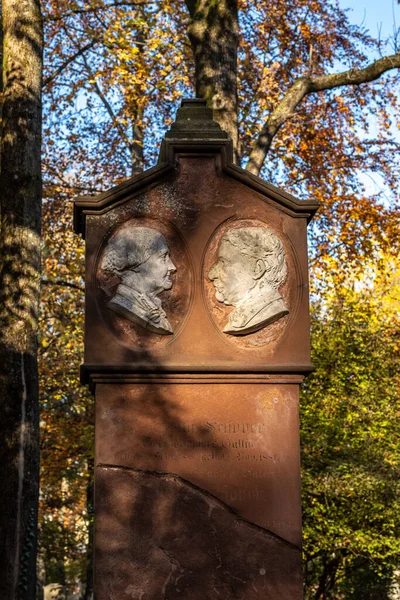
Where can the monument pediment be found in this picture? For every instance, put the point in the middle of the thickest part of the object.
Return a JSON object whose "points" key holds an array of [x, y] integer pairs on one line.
{"points": [[228, 235], [193, 141]]}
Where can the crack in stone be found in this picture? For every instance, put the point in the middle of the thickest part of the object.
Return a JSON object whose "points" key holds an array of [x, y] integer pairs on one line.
{"points": [[175, 564], [208, 495], [217, 546]]}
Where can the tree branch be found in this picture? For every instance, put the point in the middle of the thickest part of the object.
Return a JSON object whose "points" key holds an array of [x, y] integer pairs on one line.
{"points": [[51, 170], [92, 9], [308, 85], [74, 286], [356, 76], [102, 96], [69, 61], [107, 106], [77, 54]]}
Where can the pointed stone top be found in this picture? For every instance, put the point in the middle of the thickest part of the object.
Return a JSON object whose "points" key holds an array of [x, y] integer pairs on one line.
{"points": [[194, 121]]}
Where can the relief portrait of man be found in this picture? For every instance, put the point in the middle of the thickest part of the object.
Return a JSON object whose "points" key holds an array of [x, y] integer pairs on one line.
{"points": [[250, 269], [139, 257]]}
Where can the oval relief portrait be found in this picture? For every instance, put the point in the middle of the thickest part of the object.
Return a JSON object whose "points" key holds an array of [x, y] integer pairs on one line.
{"points": [[144, 281], [249, 273]]}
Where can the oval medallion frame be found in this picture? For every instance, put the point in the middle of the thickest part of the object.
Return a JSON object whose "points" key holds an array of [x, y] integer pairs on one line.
{"points": [[176, 302], [267, 337]]}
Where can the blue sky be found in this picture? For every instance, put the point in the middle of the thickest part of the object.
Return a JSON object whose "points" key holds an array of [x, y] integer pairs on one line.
{"points": [[383, 16], [374, 13]]}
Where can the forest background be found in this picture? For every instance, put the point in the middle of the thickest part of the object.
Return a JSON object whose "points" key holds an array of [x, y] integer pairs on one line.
{"points": [[114, 73]]}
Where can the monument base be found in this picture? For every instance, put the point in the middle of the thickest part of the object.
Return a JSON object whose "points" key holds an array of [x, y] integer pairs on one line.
{"points": [[198, 488], [159, 537]]}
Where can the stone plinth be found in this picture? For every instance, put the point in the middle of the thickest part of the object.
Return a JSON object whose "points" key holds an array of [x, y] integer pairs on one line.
{"points": [[200, 481], [196, 341]]}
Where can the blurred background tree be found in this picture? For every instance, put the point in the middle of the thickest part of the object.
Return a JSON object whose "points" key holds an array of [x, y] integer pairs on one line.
{"points": [[350, 436]]}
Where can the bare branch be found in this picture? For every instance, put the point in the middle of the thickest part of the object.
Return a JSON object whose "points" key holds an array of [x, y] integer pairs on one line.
{"points": [[77, 54], [307, 85], [69, 61], [73, 186], [74, 286], [94, 9], [107, 105], [102, 96]]}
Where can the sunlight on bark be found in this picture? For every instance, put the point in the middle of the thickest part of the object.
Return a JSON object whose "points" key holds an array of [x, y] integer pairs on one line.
{"points": [[20, 277]]}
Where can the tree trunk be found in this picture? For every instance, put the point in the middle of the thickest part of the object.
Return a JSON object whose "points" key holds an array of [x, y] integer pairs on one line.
{"points": [[20, 226], [327, 579], [214, 35], [1, 68]]}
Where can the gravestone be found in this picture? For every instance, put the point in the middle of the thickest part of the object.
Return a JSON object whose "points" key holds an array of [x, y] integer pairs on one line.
{"points": [[196, 342]]}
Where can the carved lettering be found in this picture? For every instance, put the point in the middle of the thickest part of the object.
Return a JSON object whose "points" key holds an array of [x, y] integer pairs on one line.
{"points": [[227, 444], [257, 457]]}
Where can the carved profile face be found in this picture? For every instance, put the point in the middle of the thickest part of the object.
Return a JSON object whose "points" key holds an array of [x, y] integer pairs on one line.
{"points": [[233, 274], [152, 276], [250, 269], [139, 257]]}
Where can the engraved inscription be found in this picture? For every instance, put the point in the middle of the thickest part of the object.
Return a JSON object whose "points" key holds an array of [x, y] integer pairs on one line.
{"points": [[250, 269], [233, 441], [139, 257]]}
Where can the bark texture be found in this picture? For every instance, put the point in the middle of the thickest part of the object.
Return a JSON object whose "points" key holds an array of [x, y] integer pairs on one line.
{"points": [[1, 68], [308, 85], [20, 220], [214, 36]]}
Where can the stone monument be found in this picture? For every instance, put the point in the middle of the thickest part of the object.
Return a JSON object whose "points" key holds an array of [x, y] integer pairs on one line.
{"points": [[196, 342]]}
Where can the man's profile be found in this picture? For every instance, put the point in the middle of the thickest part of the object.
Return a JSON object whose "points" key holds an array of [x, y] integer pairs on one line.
{"points": [[139, 257], [250, 269]]}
